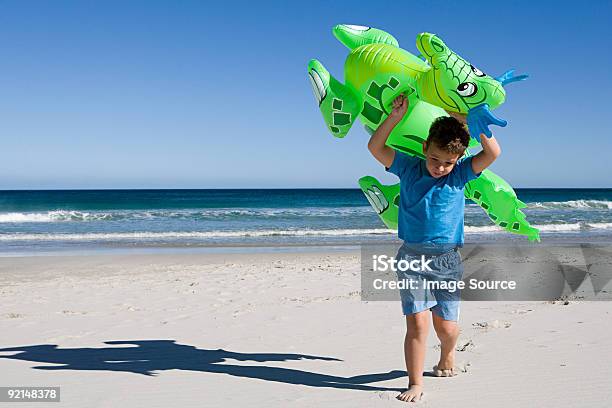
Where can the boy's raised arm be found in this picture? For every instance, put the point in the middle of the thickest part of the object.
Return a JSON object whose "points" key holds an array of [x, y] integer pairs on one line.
{"points": [[376, 145], [490, 152], [490, 148]]}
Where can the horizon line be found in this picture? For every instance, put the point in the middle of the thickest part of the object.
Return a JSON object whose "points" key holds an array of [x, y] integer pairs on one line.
{"points": [[262, 188]]}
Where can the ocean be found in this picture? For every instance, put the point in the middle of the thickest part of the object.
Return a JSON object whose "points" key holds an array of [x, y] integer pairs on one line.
{"points": [[73, 220]]}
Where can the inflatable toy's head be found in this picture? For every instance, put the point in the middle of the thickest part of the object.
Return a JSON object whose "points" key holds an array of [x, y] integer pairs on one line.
{"points": [[458, 85]]}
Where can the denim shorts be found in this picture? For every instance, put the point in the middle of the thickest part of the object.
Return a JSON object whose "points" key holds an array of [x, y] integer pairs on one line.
{"points": [[428, 291]]}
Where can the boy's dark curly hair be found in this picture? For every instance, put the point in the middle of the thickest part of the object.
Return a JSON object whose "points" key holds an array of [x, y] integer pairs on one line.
{"points": [[449, 134]]}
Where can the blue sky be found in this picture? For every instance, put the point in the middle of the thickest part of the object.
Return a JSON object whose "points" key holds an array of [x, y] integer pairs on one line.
{"points": [[186, 94]]}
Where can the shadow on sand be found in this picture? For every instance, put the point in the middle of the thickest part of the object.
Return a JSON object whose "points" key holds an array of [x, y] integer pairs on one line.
{"points": [[149, 356]]}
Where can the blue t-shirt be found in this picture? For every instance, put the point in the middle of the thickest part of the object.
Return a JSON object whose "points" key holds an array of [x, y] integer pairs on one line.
{"points": [[431, 210]]}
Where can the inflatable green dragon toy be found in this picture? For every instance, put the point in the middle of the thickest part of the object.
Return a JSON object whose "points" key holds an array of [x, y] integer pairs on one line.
{"points": [[377, 71]]}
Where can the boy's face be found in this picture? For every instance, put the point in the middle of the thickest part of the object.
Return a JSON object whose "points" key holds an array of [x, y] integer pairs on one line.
{"points": [[439, 162]]}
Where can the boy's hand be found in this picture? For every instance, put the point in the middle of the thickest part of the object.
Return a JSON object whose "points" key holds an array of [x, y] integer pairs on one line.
{"points": [[400, 106]]}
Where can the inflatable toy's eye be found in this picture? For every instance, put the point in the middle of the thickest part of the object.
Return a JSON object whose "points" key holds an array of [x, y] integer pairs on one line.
{"points": [[477, 72], [467, 89]]}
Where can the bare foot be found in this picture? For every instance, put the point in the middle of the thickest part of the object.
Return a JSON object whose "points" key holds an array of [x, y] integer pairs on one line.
{"points": [[438, 371], [446, 365], [412, 394]]}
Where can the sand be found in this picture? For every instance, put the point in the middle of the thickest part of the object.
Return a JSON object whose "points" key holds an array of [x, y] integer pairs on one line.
{"points": [[274, 330]]}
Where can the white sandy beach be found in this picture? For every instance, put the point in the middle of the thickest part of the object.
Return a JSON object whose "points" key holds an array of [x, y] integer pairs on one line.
{"points": [[274, 330]]}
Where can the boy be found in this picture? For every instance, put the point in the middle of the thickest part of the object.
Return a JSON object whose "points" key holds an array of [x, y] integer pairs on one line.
{"points": [[431, 222]]}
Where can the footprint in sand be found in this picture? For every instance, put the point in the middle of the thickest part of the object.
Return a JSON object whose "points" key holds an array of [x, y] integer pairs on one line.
{"points": [[494, 324], [386, 395], [522, 311], [72, 312], [465, 345]]}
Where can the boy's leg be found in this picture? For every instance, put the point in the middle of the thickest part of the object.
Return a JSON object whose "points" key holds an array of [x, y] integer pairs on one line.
{"points": [[448, 332], [446, 312], [417, 328]]}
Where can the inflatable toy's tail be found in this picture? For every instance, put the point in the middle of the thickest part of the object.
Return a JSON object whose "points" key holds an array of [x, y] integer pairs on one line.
{"points": [[499, 200], [338, 103], [353, 36], [384, 199]]}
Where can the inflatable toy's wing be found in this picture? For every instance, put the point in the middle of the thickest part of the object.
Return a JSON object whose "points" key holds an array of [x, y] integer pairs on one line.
{"points": [[338, 104], [384, 199], [500, 202]]}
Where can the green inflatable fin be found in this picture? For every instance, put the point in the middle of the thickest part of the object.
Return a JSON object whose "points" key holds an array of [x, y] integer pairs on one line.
{"points": [[499, 200], [353, 36], [384, 199], [338, 103]]}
